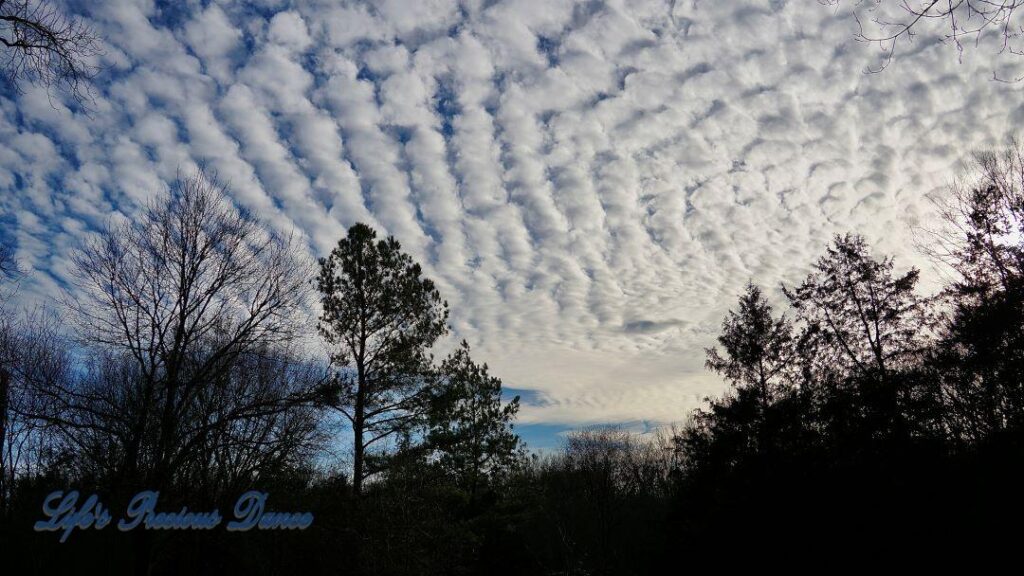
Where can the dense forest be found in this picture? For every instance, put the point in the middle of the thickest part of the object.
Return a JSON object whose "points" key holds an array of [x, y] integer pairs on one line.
{"points": [[867, 418]]}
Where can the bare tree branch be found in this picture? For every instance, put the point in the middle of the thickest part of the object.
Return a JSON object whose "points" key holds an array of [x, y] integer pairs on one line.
{"points": [[41, 45], [964, 23]]}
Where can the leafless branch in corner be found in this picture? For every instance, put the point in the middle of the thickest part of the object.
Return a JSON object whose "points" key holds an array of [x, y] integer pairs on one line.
{"points": [[965, 23], [41, 45]]}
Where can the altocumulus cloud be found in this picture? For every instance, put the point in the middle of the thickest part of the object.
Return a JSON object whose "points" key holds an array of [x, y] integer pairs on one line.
{"points": [[590, 183]]}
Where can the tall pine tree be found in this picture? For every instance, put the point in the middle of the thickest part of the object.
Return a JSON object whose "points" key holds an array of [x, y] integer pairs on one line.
{"points": [[381, 316]]}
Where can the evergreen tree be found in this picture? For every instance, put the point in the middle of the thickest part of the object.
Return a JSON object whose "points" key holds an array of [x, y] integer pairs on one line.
{"points": [[759, 359], [758, 348], [470, 427], [381, 316]]}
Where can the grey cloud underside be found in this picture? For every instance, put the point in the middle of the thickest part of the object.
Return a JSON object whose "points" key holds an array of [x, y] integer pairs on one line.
{"points": [[590, 184], [649, 326]]}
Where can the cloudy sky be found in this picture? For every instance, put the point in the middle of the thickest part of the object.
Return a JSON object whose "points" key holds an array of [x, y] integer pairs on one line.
{"points": [[589, 183]]}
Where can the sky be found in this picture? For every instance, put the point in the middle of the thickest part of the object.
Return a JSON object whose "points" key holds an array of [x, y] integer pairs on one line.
{"points": [[590, 184]]}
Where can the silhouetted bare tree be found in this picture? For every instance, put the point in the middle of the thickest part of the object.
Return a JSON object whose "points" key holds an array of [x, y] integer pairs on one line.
{"points": [[33, 356], [44, 46], [8, 269], [172, 303]]}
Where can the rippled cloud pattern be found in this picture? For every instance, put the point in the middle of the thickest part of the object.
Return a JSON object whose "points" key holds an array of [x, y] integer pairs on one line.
{"points": [[589, 183]]}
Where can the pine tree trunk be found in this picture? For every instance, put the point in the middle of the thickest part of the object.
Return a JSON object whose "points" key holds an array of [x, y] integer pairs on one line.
{"points": [[358, 426], [357, 465]]}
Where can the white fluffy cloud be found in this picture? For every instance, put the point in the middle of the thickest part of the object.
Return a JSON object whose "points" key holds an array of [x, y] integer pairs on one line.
{"points": [[590, 183]]}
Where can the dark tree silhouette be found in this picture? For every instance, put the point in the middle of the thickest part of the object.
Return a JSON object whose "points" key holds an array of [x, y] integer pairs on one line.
{"points": [[860, 315], [853, 417], [33, 355], [469, 426], [601, 500], [8, 269], [175, 300], [981, 358], [41, 45], [180, 378], [8, 264], [6, 353], [864, 333], [758, 348], [381, 317], [761, 362]]}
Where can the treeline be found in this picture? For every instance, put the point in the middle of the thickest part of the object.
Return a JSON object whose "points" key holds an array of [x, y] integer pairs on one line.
{"points": [[870, 418]]}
